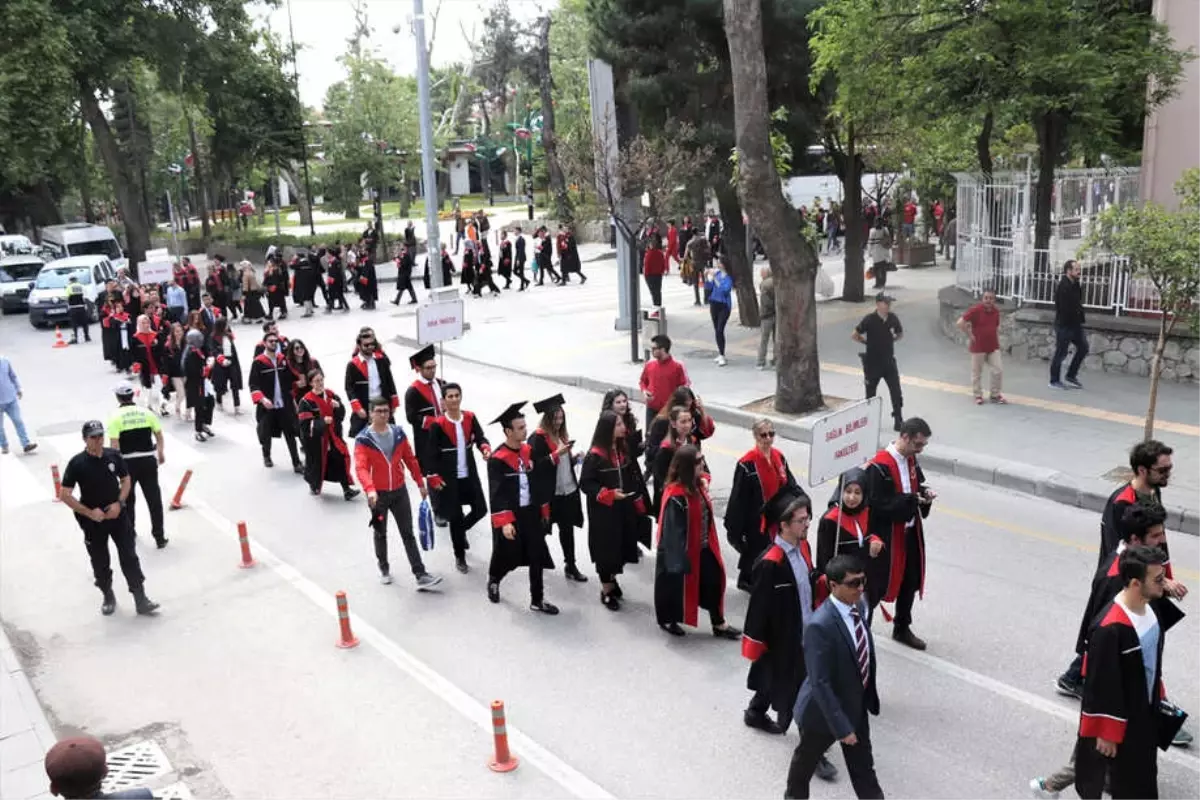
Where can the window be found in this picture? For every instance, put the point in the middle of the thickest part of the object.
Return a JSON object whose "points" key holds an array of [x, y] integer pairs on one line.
{"points": [[98, 247], [98, 274], [57, 278], [12, 273]]}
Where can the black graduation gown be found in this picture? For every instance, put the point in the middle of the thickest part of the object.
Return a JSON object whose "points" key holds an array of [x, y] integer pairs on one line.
{"points": [[149, 357], [505, 267], [419, 403], [335, 280], [614, 526], [565, 509], [1106, 584], [227, 369], [890, 510], [308, 273], [367, 283], [528, 547], [663, 454], [276, 288], [685, 578], [1110, 522], [1117, 706], [358, 384], [195, 372], [755, 481], [438, 455], [834, 540], [261, 383], [702, 428], [326, 456], [466, 275], [774, 631], [119, 330]]}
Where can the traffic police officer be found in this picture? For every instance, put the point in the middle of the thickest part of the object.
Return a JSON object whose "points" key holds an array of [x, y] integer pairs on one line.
{"points": [[138, 435], [77, 313], [103, 482]]}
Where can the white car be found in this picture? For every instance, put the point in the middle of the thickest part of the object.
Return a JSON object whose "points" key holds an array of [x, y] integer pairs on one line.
{"points": [[17, 274], [48, 298]]}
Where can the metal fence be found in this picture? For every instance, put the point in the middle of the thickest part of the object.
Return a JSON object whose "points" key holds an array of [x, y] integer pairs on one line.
{"points": [[995, 238]]}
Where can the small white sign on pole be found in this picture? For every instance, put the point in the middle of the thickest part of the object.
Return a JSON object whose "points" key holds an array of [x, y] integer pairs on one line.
{"points": [[441, 320], [157, 268], [844, 439]]}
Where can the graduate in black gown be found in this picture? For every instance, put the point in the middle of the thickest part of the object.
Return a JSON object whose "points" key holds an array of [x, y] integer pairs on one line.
{"points": [[681, 432], [520, 518], [366, 282], [555, 467], [320, 413], [702, 424], [845, 530], [453, 476], [635, 438], [617, 505]]}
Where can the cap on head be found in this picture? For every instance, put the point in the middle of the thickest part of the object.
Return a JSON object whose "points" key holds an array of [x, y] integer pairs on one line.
{"points": [[509, 414], [419, 358], [549, 404], [884, 298], [123, 391], [777, 507], [76, 766], [93, 427]]}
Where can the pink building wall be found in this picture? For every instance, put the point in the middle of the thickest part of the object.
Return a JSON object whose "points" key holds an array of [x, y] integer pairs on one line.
{"points": [[1172, 138]]}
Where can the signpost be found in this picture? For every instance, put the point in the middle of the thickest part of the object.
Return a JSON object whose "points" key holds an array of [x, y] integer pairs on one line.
{"points": [[157, 268], [441, 319], [844, 439]]}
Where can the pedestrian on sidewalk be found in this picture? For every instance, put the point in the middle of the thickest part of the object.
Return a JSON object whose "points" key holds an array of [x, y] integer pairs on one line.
{"points": [[520, 258], [137, 435], [10, 405], [661, 376], [879, 332], [519, 514], [696, 261], [1068, 327], [718, 287], [981, 323], [77, 768], [766, 310], [672, 243], [381, 454], [104, 486], [554, 466], [654, 267], [879, 250], [227, 366], [197, 372]]}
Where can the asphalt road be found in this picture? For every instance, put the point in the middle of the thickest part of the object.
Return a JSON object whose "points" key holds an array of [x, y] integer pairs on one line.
{"points": [[240, 682]]}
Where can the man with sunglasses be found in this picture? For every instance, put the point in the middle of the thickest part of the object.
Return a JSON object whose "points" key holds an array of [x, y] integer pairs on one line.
{"points": [[368, 376], [1150, 462], [270, 383]]}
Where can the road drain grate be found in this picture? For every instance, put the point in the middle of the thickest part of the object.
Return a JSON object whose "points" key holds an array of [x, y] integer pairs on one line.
{"points": [[135, 766]]}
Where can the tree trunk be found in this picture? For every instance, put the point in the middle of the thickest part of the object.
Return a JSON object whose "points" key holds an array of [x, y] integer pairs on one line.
{"points": [[850, 168], [558, 184], [1166, 322], [85, 180], [198, 177], [405, 194], [1049, 129], [296, 190], [45, 206], [793, 262], [734, 242], [129, 194]]}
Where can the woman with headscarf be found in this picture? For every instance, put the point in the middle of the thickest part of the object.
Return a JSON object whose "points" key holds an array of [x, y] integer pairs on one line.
{"points": [[844, 530], [326, 456], [758, 476], [197, 369], [689, 574], [252, 292], [617, 400], [233, 285], [227, 368], [554, 472], [149, 364], [616, 503]]}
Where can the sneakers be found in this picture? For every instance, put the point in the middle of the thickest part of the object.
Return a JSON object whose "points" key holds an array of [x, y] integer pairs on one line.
{"points": [[1073, 383], [1068, 688], [386, 578], [1038, 787], [29, 448], [493, 591], [1182, 738], [998, 399], [545, 608], [350, 494], [721, 361], [1056, 385], [426, 582]]}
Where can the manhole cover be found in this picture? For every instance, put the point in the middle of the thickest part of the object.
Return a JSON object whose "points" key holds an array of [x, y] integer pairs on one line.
{"points": [[134, 766]]}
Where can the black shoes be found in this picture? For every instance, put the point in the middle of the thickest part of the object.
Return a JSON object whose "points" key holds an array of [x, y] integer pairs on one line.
{"points": [[297, 468], [493, 590], [728, 632], [898, 423], [350, 494], [1068, 687], [144, 605], [267, 462], [674, 629], [573, 573], [609, 600], [544, 607], [906, 637], [160, 541], [616, 590], [109, 604], [744, 585], [460, 564], [760, 721], [825, 770]]}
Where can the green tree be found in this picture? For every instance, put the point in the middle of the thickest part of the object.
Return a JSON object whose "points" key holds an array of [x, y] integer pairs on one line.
{"points": [[1162, 246]]}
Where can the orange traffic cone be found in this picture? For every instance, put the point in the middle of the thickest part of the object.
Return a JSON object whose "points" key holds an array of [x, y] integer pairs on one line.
{"points": [[59, 342]]}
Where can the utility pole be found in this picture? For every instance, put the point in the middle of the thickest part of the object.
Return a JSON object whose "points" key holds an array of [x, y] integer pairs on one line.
{"points": [[312, 230], [432, 250]]}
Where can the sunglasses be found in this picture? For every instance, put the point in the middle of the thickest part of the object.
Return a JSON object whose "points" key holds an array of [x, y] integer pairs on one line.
{"points": [[767, 435], [855, 583]]}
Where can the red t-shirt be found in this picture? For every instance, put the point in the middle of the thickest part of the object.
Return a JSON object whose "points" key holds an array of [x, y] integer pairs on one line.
{"points": [[662, 378], [910, 213], [985, 326]]}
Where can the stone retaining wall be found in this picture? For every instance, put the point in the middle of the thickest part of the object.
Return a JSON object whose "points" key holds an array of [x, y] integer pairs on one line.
{"points": [[1116, 344]]}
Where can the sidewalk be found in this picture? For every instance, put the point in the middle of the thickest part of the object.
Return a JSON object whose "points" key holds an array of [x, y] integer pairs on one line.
{"points": [[1067, 446], [25, 734]]}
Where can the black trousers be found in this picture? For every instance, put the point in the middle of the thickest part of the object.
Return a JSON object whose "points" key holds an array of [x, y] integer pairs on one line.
{"points": [[395, 501], [654, 284], [889, 373], [286, 426], [403, 284], [566, 538], [519, 272], [760, 703], [529, 523], [460, 523], [548, 268], [143, 471], [78, 317], [204, 412], [859, 762], [96, 536], [910, 584]]}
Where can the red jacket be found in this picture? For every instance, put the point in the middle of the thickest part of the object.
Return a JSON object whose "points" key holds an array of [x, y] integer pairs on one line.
{"points": [[661, 378], [378, 474], [655, 262]]}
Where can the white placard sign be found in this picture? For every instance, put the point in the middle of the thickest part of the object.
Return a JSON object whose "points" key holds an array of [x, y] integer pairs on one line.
{"points": [[440, 321], [157, 268], [844, 439]]}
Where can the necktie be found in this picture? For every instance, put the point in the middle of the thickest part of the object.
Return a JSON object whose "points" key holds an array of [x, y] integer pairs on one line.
{"points": [[860, 646], [437, 407]]}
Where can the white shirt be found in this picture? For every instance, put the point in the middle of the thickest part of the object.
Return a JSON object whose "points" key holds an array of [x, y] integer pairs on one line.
{"points": [[278, 393], [374, 387], [1145, 625], [905, 481], [844, 612], [523, 483], [461, 441]]}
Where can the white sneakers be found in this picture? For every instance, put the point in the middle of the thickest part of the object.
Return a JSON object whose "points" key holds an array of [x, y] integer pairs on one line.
{"points": [[721, 361]]}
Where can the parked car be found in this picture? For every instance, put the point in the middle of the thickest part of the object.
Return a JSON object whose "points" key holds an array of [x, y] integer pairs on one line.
{"points": [[15, 244], [17, 276], [48, 298], [83, 239]]}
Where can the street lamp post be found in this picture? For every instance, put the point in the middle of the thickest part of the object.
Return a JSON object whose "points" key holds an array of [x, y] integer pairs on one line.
{"points": [[312, 230], [428, 173]]}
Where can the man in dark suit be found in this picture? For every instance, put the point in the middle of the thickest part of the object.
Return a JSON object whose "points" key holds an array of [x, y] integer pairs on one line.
{"points": [[839, 690]]}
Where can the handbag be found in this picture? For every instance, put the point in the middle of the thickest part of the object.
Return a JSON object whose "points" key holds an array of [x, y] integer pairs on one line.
{"points": [[425, 523], [1170, 720]]}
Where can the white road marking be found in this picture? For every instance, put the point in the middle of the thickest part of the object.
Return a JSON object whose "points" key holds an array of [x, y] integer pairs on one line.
{"points": [[1027, 699], [20, 486], [566, 776]]}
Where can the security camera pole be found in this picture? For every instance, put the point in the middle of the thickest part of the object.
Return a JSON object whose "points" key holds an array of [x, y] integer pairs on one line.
{"points": [[429, 174]]}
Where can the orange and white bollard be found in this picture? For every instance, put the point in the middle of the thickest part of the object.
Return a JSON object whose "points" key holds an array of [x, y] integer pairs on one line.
{"points": [[347, 641], [177, 500], [57, 482], [503, 760], [244, 541]]}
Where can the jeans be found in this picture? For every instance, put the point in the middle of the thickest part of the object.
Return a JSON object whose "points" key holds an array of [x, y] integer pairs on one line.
{"points": [[766, 340], [992, 359], [1064, 337], [654, 284], [720, 316], [395, 501], [13, 410]]}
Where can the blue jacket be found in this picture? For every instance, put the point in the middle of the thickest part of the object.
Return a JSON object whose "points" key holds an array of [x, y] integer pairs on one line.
{"points": [[720, 288], [9, 385]]}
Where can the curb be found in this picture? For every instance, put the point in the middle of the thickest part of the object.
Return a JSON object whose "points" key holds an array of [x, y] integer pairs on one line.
{"points": [[31, 710], [1090, 494]]}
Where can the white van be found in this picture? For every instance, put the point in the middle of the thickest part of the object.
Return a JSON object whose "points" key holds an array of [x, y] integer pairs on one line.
{"points": [[15, 245], [83, 239], [48, 298]]}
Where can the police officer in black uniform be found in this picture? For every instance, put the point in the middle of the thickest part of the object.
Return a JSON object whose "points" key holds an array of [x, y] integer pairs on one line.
{"points": [[880, 331], [103, 481], [137, 434], [77, 313]]}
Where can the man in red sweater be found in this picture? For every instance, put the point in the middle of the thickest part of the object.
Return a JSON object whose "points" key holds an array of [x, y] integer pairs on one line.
{"points": [[661, 376]]}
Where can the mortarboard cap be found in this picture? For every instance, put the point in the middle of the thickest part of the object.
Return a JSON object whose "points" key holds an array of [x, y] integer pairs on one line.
{"points": [[421, 356], [550, 403], [509, 414], [778, 505]]}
